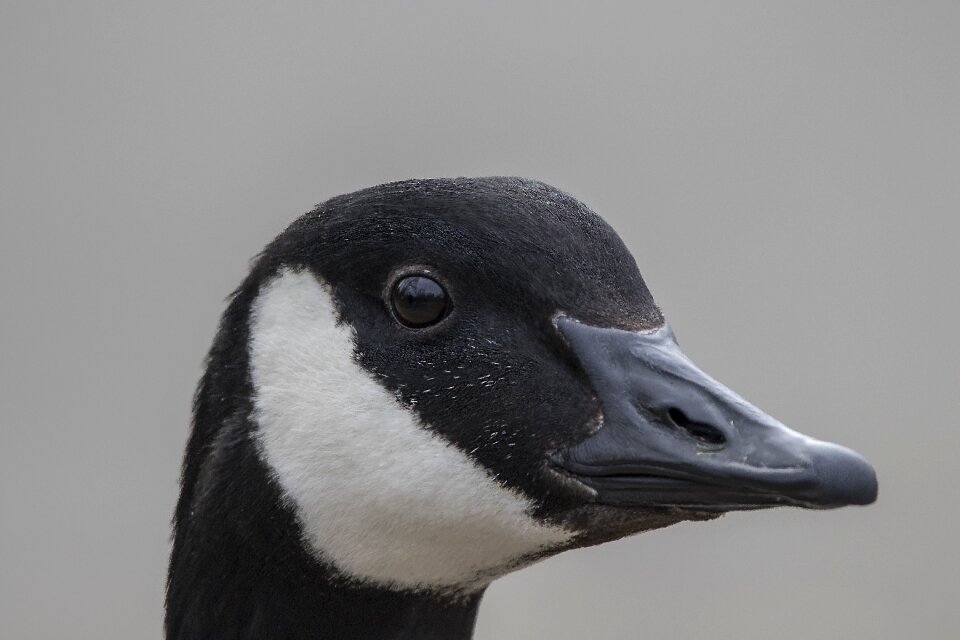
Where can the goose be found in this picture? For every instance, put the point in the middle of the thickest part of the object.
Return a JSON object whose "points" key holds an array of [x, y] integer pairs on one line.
{"points": [[425, 385]]}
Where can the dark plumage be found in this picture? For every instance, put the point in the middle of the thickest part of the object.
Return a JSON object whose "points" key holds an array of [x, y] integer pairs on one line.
{"points": [[518, 259]]}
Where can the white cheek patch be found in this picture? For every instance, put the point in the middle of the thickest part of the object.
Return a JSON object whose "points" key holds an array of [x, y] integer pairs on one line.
{"points": [[378, 494]]}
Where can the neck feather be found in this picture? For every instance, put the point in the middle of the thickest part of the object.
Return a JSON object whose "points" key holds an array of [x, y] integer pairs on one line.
{"points": [[239, 570]]}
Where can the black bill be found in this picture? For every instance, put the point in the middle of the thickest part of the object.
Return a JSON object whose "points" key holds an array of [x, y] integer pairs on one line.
{"points": [[672, 436]]}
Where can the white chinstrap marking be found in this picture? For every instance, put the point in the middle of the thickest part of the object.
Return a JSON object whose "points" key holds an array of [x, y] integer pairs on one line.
{"points": [[379, 495]]}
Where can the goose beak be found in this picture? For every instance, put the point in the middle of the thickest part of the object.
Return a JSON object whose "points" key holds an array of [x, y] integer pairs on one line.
{"points": [[672, 436]]}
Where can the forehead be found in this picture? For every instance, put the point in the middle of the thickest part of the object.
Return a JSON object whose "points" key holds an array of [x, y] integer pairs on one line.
{"points": [[500, 234]]}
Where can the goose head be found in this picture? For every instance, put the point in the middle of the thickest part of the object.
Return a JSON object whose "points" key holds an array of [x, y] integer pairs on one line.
{"points": [[425, 385]]}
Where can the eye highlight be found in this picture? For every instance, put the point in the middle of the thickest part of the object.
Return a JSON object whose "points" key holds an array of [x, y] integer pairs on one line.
{"points": [[418, 301]]}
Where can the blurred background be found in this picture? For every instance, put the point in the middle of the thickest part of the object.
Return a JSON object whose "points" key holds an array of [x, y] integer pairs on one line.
{"points": [[786, 174]]}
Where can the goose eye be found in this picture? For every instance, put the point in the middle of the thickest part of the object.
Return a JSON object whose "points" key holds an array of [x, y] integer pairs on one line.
{"points": [[418, 301]]}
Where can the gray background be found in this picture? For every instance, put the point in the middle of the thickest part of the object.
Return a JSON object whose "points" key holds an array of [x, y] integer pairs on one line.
{"points": [[785, 173]]}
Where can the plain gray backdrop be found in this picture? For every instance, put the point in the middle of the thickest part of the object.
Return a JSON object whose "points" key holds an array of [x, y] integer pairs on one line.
{"points": [[787, 175]]}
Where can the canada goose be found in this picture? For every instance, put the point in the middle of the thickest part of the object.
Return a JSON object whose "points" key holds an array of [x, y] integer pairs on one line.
{"points": [[425, 385]]}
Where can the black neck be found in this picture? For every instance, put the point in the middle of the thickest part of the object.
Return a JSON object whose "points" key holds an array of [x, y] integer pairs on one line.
{"points": [[268, 611], [306, 604]]}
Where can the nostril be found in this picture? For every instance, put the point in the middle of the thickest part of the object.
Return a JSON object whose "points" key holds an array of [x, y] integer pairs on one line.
{"points": [[698, 430]]}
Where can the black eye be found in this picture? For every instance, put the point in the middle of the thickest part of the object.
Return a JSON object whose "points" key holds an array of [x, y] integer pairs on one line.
{"points": [[418, 301]]}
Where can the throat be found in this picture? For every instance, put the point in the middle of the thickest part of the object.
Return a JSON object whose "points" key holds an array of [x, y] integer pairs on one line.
{"points": [[394, 615], [239, 571]]}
